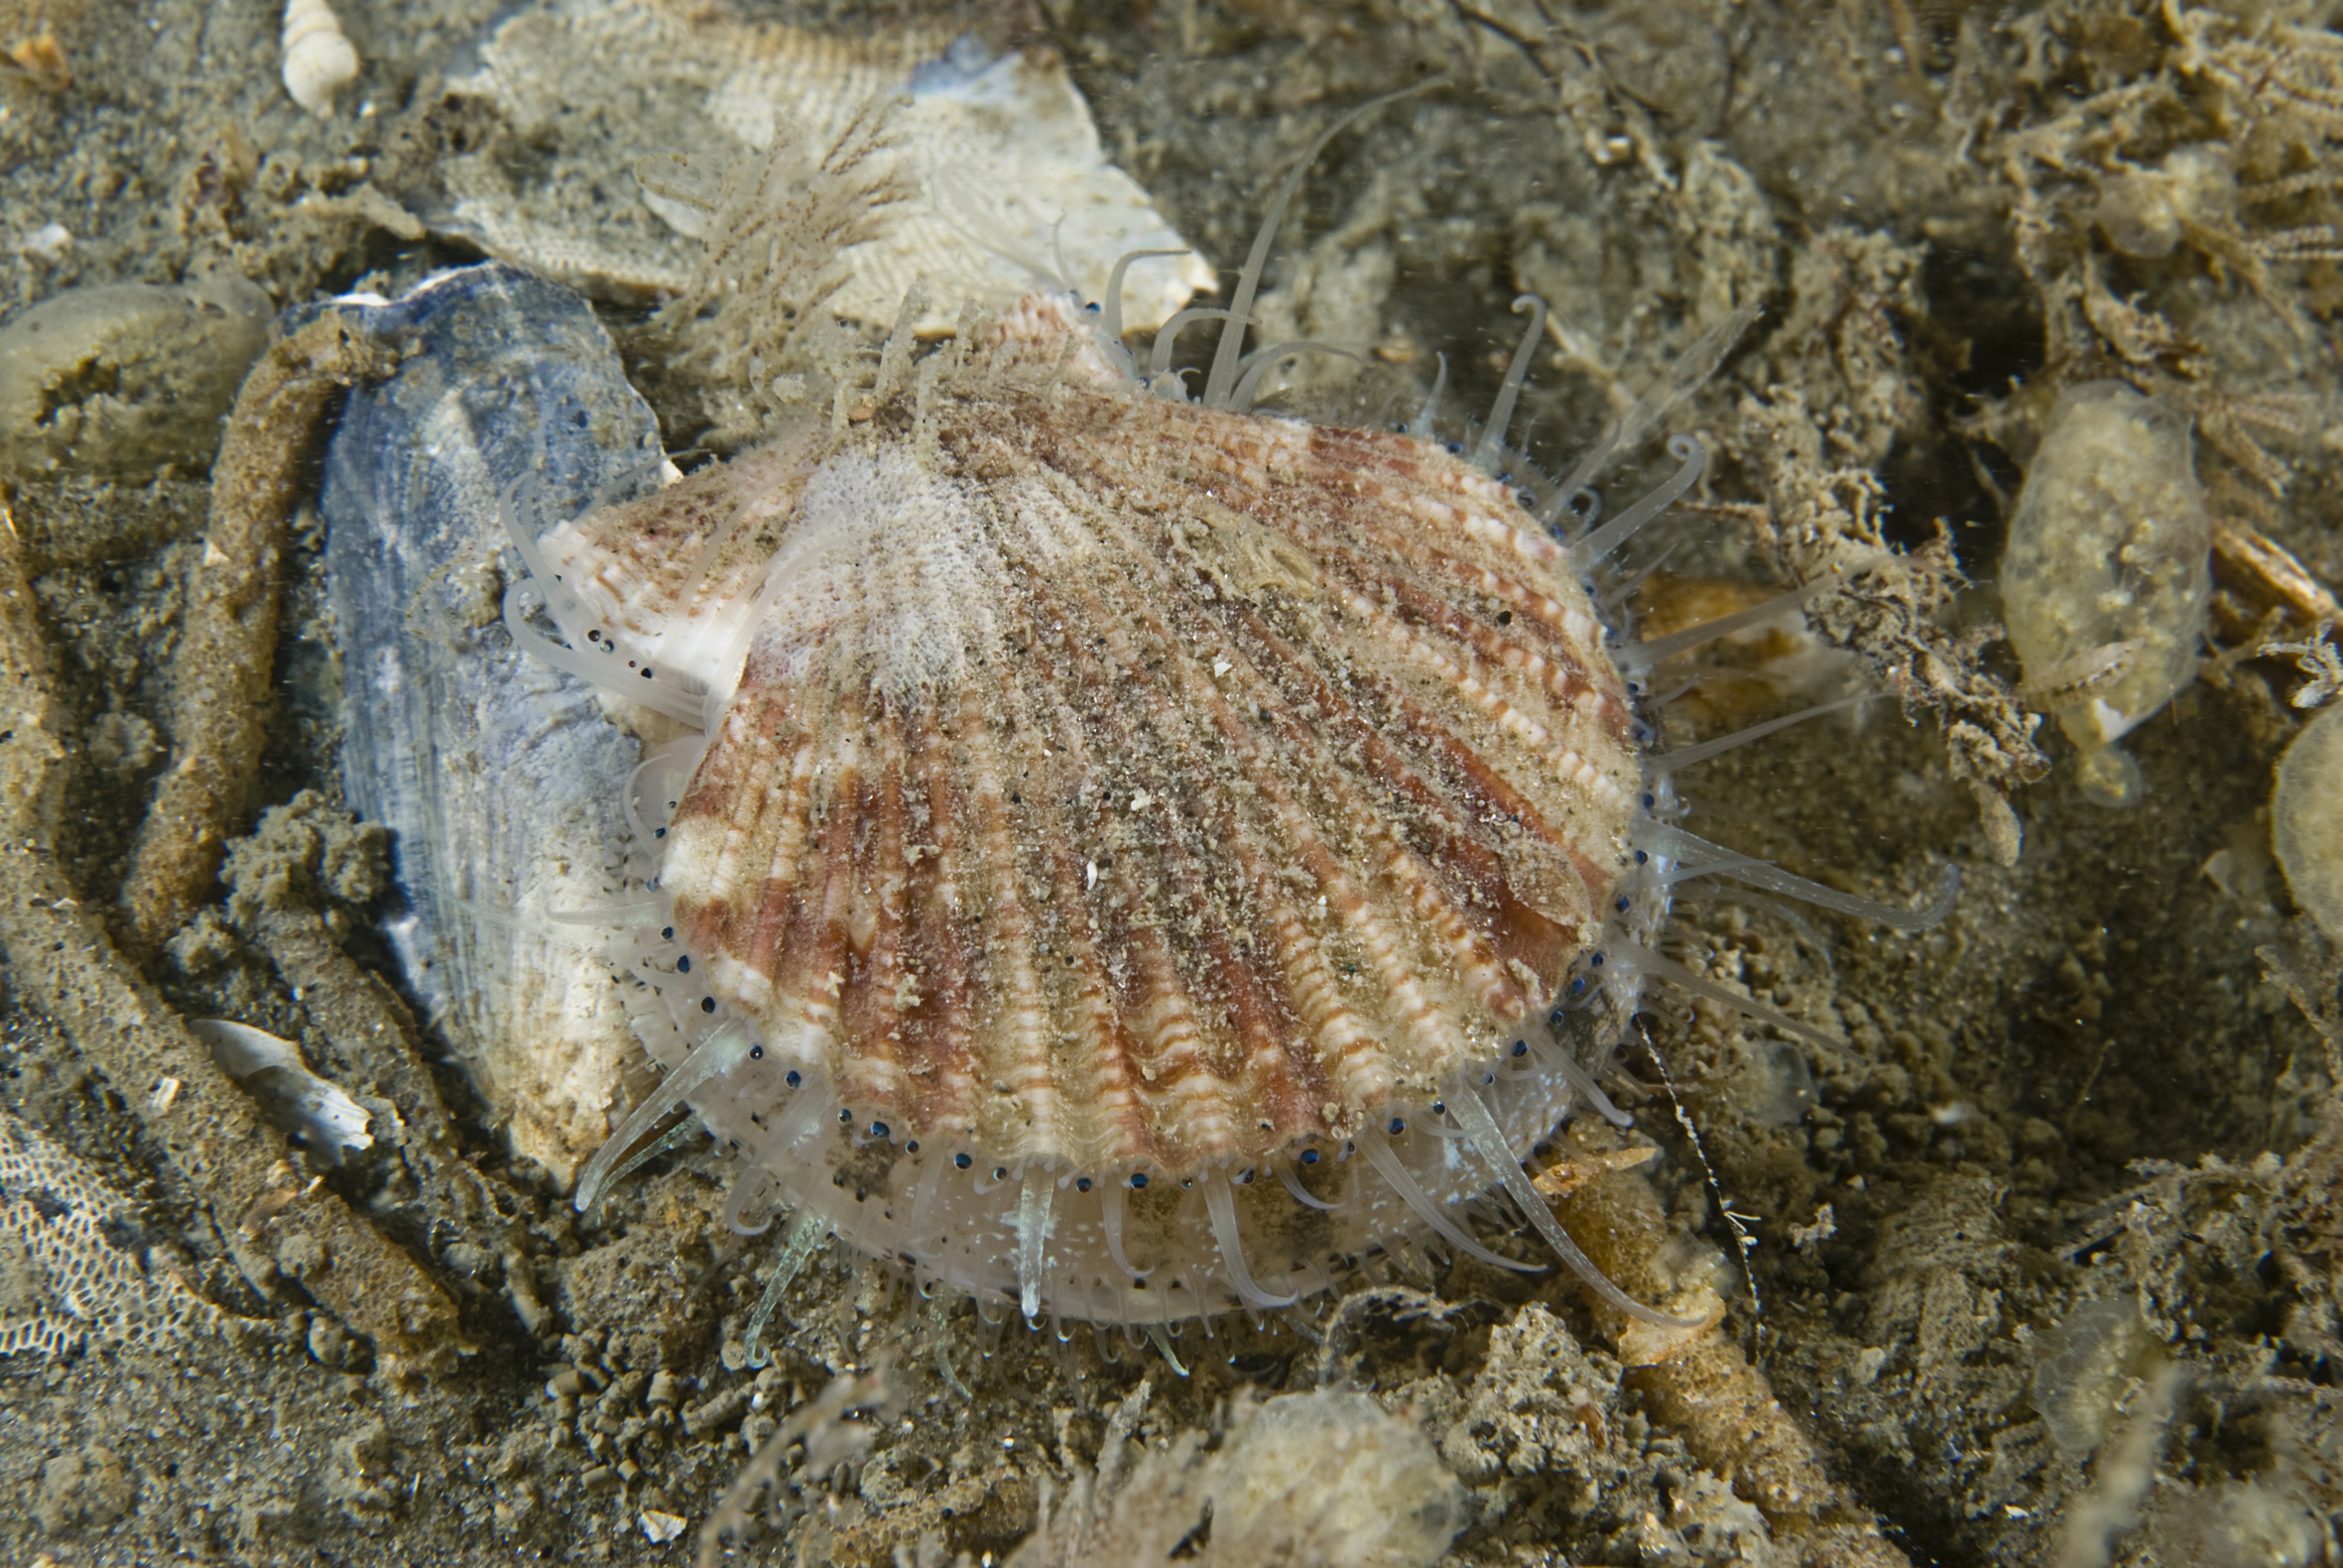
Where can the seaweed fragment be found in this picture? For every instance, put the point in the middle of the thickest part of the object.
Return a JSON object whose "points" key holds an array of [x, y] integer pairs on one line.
{"points": [[223, 674], [1696, 1381], [1824, 520]]}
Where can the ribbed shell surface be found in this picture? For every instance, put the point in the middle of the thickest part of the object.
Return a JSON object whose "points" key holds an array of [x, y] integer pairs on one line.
{"points": [[1121, 781]]}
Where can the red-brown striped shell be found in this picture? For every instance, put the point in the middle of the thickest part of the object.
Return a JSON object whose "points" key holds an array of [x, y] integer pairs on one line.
{"points": [[1122, 782]]}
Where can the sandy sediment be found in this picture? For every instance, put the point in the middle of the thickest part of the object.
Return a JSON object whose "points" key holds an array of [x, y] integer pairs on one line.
{"points": [[2074, 1150]]}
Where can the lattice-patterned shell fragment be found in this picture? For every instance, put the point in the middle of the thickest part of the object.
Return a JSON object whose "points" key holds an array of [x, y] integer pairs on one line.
{"points": [[72, 1263]]}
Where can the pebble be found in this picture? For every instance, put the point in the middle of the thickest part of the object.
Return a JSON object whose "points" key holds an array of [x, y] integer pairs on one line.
{"points": [[118, 381], [2306, 820], [2110, 545]]}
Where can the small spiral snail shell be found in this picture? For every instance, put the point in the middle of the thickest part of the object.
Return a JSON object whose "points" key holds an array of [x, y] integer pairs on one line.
{"points": [[318, 58]]}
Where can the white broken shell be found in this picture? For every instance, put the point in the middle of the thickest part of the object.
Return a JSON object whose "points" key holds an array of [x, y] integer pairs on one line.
{"points": [[296, 1101], [1013, 177]]}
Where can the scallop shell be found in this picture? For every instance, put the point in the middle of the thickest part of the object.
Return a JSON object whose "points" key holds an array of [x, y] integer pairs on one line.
{"points": [[1134, 845], [501, 779]]}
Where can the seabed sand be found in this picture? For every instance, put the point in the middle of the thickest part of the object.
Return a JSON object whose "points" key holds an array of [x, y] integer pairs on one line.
{"points": [[2044, 1251]]}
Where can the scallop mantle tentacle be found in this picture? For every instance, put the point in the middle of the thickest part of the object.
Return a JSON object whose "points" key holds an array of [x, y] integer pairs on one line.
{"points": [[1127, 854]]}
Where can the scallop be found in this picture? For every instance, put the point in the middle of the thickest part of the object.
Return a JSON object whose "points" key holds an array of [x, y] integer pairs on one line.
{"points": [[1108, 807]]}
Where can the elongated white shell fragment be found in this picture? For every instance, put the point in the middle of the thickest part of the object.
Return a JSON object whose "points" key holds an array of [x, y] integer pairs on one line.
{"points": [[295, 1099]]}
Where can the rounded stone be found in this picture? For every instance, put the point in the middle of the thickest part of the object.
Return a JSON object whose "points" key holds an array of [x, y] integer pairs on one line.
{"points": [[2306, 820], [120, 381], [2110, 548]]}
